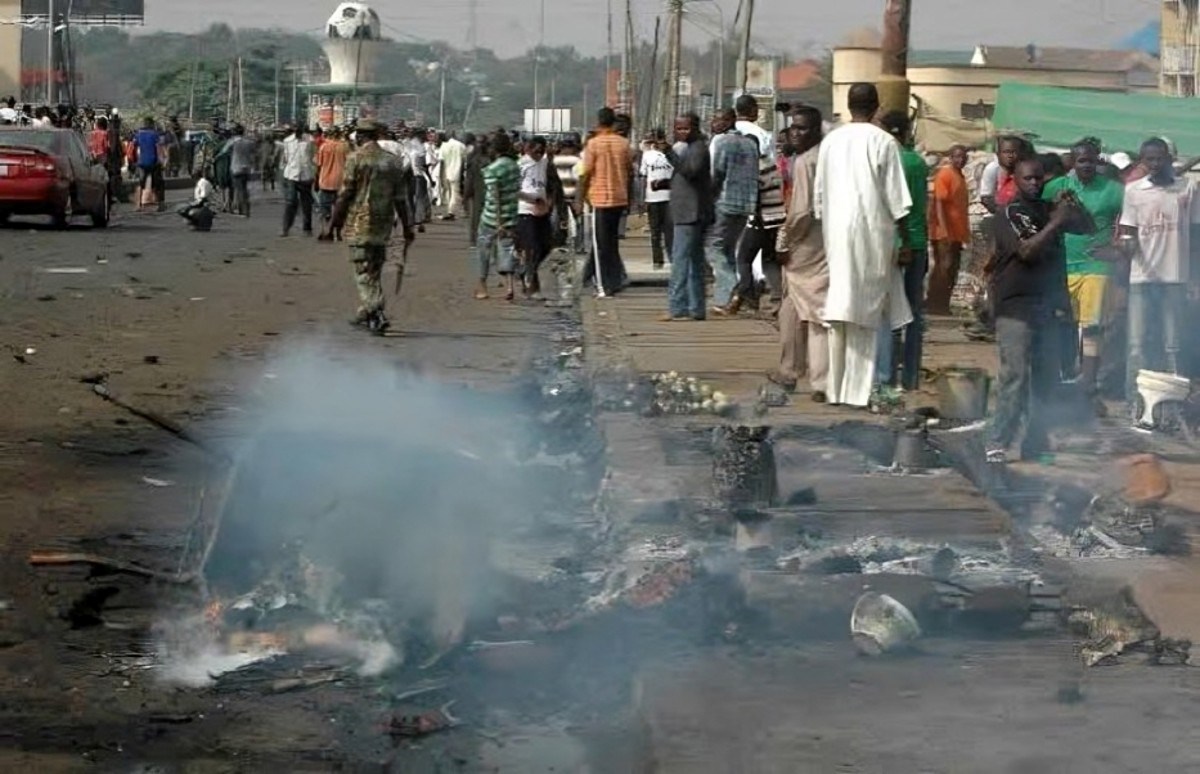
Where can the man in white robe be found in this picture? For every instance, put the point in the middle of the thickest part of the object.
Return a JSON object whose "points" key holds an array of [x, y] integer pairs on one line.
{"points": [[860, 194]]}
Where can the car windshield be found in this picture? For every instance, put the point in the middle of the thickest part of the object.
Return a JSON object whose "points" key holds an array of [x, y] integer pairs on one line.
{"points": [[29, 138]]}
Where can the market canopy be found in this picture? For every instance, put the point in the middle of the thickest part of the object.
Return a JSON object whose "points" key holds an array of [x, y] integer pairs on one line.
{"points": [[1057, 117]]}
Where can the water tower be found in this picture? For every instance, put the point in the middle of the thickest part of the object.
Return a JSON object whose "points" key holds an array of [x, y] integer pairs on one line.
{"points": [[354, 46]]}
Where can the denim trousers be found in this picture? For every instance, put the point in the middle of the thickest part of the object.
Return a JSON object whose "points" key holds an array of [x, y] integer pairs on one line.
{"points": [[1155, 314], [685, 292], [1029, 373], [722, 254], [912, 336], [489, 245]]}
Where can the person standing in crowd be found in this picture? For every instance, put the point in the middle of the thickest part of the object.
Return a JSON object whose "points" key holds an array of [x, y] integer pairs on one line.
{"points": [[533, 213], [735, 183], [566, 164], [998, 187], [949, 229], [473, 185], [803, 341], [98, 141], [861, 195], [268, 161], [372, 198], [242, 155], [331, 168], [604, 185], [422, 202], [657, 171], [759, 236], [1090, 257], [1156, 226], [433, 165], [453, 154], [501, 205], [1027, 285], [299, 168], [145, 144], [691, 212], [914, 259], [746, 115]]}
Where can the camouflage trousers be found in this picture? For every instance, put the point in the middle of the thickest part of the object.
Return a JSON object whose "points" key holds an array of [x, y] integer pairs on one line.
{"points": [[368, 263]]}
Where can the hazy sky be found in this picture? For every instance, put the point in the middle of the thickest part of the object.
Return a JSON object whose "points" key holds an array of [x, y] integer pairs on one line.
{"points": [[792, 26]]}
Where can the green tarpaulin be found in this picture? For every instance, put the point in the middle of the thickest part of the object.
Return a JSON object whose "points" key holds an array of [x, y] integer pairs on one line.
{"points": [[1058, 117]]}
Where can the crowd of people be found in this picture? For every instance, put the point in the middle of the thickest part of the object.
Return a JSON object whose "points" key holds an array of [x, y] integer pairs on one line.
{"points": [[847, 239]]}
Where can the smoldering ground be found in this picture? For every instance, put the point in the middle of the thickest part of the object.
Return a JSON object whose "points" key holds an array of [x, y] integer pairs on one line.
{"points": [[357, 486]]}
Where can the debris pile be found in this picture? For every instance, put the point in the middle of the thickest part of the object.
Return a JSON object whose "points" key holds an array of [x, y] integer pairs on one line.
{"points": [[675, 394], [1121, 628]]}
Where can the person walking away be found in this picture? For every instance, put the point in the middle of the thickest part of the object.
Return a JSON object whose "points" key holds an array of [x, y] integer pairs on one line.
{"points": [[760, 236], [949, 229], [242, 155], [331, 167], [501, 201], [422, 204], [145, 144], [604, 185], [803, 341], [1090, 257], [691, 212], [299, 168], [735, 182], [1156, 226], [268, 161], [533, 213], [657, 171], [473, 186], [454, 155], [914, 260], [861, 195], [1028, 284], [433, 163], [566, 164], [372, 199]]}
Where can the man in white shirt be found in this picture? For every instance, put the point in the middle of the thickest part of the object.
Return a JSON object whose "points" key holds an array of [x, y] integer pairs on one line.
{"points": [[747, 124], [1156, 227], [658, 171], [533, 212], [566, 163], [299, 171], [860, 194], [8, 111], [453, 153]]}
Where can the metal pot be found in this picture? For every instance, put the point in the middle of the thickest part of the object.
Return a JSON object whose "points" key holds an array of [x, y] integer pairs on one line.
{"points": [[963, 394], [912, 452]]}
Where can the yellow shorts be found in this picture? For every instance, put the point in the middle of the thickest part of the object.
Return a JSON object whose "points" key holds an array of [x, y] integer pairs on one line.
{"points": [[1087, 298]]}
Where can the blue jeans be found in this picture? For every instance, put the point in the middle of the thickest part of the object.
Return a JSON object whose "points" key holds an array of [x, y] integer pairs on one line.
{"points": [[1029, 370], [489, 244], [685, 291], [722, 255], [1155, 314], [913, 334]]}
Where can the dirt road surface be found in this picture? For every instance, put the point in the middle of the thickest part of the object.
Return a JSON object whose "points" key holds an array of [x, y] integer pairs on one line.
{"points": [[184, 324]]}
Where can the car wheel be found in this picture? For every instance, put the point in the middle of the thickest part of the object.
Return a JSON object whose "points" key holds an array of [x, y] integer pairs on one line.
{"points": [[101, 216], [4, 216], [59, 219]]}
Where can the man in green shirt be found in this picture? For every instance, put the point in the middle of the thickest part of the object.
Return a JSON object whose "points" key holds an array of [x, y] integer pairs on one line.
{"points": [[1089, 256], [912, 235], [498, 222]]}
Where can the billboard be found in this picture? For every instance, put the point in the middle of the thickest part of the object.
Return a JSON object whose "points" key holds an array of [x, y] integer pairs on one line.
{"points": [[124, 11], [547, 120]]}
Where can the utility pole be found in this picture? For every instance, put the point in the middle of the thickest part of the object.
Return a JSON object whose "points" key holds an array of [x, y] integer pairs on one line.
{"points": [[674, 47], [229, 96], [50, 71], [241, 94], [744, 60], [608, 53], [627, 90], [473, 25], [537, 62], [893, 84], [192, 96], [278, 64]]}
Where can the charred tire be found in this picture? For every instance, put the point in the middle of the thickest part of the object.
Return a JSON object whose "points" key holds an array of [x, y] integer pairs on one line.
{"points": [[100, 217]]}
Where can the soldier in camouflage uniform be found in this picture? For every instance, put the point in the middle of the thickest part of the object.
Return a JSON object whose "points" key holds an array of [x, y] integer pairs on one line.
{"points": [[374, 192]]}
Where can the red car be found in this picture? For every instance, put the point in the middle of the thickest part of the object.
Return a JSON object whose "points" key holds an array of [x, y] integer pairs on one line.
{"points": [[49, 172]]}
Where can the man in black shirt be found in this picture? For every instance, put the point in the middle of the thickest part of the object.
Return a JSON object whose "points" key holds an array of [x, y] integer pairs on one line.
{"points": [[1029, 286]]}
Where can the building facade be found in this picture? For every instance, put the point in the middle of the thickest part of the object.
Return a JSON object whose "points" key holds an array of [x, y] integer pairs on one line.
{"points": [[1179, 48], [964, 84], [10, 48]]}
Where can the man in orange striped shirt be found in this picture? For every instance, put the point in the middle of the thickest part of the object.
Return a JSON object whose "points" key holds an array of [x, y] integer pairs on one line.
{"points": [[604, 184]]}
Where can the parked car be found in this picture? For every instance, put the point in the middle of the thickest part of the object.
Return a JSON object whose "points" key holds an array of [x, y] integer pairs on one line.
{"points": [[49, 172]]}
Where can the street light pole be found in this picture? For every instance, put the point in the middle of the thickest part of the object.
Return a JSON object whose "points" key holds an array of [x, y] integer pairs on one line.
{"points": [[50, 54], [894, 85]]}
